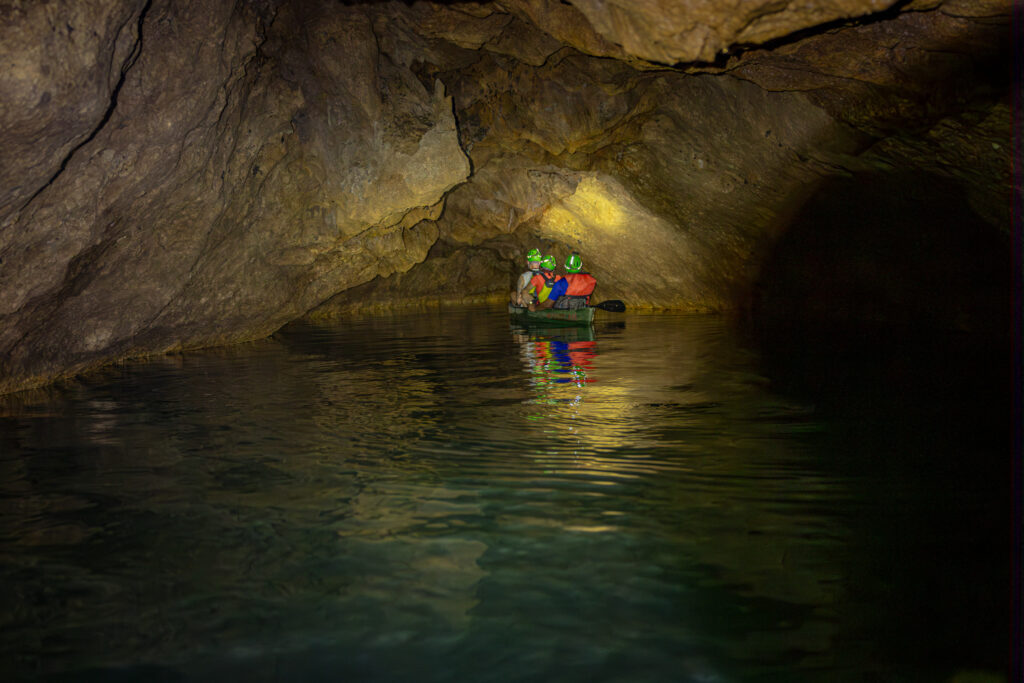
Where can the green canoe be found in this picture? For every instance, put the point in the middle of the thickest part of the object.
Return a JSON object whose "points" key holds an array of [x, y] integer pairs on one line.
{"points": [[552, 316]]}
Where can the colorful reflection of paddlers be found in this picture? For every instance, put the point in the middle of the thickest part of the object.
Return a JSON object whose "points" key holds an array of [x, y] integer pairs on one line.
{"points": [[564, 359], [574, 358]]}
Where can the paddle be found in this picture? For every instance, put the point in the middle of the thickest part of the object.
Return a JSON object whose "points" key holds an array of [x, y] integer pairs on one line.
{"points": [[613, 305]]}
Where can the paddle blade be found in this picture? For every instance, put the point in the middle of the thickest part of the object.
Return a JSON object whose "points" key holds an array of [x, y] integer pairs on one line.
{"points": [[613, 305]]}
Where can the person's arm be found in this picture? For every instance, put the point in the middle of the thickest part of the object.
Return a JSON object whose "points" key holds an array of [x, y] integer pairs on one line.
{"points": [[526, 293], [556, 293], [524, 287], [516, 297], [547, 303], [531, 290]]}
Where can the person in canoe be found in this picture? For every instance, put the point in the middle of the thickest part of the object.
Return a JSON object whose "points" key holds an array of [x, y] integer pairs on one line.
{"points": [[571, 291], [520, 296], [544, 284]]}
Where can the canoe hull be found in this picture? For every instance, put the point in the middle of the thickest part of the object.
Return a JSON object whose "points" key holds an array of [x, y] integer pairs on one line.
{"points": [[552, 317]]}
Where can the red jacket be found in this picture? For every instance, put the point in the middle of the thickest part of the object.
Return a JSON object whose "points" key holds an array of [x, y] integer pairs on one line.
{"points": [[580, 284]]}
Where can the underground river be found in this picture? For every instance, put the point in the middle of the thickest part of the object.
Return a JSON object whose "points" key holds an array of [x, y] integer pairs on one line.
{"points": [[441, 496]]}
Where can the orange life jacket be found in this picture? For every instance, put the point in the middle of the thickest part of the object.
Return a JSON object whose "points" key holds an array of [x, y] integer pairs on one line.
{"points": [[580, 284], [541, 284]]}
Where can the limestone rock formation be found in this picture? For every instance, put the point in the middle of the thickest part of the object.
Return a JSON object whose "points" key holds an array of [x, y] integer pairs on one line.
{"points": [[235, 178], [175, 175], [668, 31]]}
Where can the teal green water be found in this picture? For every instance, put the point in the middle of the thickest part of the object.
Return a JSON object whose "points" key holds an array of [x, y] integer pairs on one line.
{"points": [[441, 497]]}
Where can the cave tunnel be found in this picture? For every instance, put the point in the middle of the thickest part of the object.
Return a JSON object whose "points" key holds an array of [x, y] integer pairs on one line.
{"points": [[891, 247], [825, 187], [251, 165]]}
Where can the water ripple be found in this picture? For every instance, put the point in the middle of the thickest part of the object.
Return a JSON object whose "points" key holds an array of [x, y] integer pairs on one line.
{"points": [[435, 497]]}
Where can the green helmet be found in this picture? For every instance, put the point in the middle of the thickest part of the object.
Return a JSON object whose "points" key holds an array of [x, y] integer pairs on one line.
{"points": [[574, 263], [533, 255], [548, 262]]}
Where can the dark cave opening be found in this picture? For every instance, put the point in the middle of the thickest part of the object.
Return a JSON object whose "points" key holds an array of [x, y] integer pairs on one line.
{"points": [[893, 251], [891, 301], [890, 295]]}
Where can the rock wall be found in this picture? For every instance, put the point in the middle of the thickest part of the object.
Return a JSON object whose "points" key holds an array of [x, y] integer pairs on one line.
{"points": [[232, 166], [692, 177], [178, 175]]}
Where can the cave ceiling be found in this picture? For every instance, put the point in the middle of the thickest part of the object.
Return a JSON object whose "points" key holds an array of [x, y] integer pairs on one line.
{"points": [[177, 175]]}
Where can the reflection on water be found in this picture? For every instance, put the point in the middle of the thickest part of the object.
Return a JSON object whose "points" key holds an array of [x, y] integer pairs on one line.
{"points": [[557, 355], [436, 497]]}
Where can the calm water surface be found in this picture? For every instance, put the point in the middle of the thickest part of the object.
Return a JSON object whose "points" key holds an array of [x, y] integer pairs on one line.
{"points": [[439, 497]]}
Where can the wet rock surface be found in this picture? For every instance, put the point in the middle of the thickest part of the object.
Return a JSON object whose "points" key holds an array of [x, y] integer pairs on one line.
{"points": [[176, 176]]}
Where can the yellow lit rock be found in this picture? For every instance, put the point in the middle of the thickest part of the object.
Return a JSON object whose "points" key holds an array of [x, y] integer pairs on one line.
{"points": [[622, 243]]}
